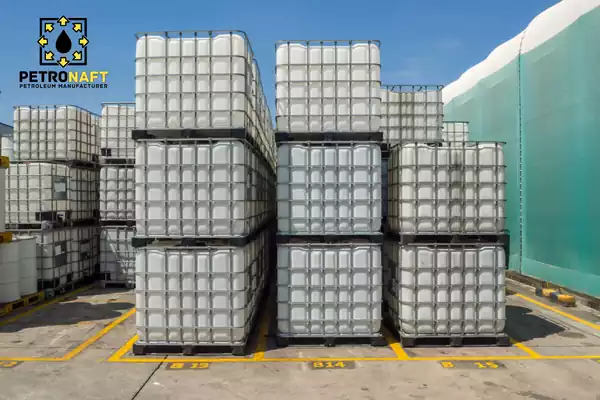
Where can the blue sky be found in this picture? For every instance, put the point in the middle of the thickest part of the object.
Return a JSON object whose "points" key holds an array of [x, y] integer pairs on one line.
{"points": [[422, 41]]}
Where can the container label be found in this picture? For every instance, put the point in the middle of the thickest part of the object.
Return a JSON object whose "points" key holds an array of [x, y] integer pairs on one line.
{"points": [[333, 364], [179, 366], [59, 187], [471, 365], [9, 364]]}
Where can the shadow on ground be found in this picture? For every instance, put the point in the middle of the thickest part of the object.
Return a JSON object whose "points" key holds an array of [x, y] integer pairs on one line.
{"points": [[70, 311], [523, 325]]}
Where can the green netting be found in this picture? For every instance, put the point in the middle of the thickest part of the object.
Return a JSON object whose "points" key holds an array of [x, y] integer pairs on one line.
{"points": [[560, 112]]}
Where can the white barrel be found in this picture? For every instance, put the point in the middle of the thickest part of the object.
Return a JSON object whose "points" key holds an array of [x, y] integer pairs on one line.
{"points": [[28, 275], [9, 272], [2, 198]]}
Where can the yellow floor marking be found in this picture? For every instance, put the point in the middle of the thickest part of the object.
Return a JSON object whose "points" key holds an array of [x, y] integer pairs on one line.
{"points": [[41, 306], [117, 355], [261, 345], [524, 348], [98, 335], [397, 347], [560, 312]]}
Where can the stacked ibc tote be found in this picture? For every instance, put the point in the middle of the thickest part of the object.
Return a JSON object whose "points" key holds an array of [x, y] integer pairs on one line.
{"points": [[117, 212], [329, 245], [445, 248], [204, 190], [52, 191]]}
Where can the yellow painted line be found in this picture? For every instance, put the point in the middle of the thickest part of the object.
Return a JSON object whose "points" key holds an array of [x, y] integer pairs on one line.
{"points": [[123, 350], [41, 306], [261, 345], [560, 312], [526, 349], [393, 343], [380, 359], [29, 359], [98, 335]]}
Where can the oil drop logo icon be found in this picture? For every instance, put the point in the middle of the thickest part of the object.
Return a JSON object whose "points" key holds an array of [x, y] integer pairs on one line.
{"points": [[63, 41]]}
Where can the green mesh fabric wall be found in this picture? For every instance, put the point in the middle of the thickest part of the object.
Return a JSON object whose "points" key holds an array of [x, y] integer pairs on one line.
{"points": [[560, 127], [492, 109]]}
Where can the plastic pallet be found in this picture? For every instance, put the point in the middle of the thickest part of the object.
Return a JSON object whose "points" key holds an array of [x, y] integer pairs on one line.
{"points": [[200, 241], [455, 341], [376, 341], [116, 284], [25, 301], [328, 137]]}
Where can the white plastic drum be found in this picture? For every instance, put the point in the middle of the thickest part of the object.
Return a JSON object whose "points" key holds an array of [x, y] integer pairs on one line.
{"points": [[9, 272], [28, 275], [2, 198]]}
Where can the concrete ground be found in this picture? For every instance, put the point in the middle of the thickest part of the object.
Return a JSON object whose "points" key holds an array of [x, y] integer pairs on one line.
{"points": [[78, 348]]}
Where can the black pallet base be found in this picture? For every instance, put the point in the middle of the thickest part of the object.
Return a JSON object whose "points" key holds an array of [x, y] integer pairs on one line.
{"points": [[53, 288], [502, 238], [104, 284], [122, 162], [199, 241], [52, 225], [25, 301], [455, 341], [116, 222], [139, 349], [376, 341], [329, 239], [332, 138], [94, 164], [209, 135]]}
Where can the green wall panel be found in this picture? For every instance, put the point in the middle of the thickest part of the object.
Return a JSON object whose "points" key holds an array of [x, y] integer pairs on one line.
{"points": [[560, 125]]}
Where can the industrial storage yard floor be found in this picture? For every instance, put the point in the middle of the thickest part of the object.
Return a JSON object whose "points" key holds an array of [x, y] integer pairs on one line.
{"points": [[78, 347]]}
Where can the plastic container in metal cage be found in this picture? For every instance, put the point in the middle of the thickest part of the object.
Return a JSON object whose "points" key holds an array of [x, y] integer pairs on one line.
{"points": [[64, 255], [36, 192], [328, 86], [455, 131], [201, 80], [329, 290], [447, 190], [200, 188], [117, 192], [411, 112], [199, 295], [329, 188], [117, 120], [117, 256], [445, 289], [55, 132]]}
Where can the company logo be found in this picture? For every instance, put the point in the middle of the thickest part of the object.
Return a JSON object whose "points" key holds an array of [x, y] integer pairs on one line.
{"points": [[63, 44], [63, 41]]}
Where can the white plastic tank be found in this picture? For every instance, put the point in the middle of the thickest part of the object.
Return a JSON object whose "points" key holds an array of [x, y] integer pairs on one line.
{"points": [[65, 253], [45, 187], [454, 131], [441, 290], [198, 294], [331, 87], [419, 188], [9, 272], [116, 124], [6, 147], [411, 113], [3, 197], [117, 192], [199, 189], [481, 186], [54, 133], [329, 289], [117, 256], [28, 273], [211, 91], [329, 189]]}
